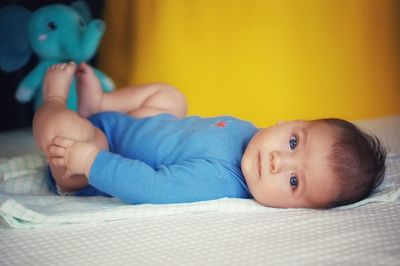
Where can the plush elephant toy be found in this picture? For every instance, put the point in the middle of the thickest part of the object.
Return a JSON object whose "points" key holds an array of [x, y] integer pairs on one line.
{"points": [[55, 33]]}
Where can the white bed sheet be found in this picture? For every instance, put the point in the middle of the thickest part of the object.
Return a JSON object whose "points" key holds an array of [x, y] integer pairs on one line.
{"points": [[367, 235]]}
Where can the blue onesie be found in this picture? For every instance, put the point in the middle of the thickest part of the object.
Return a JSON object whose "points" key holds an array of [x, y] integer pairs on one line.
{"points": [[164, 159]]}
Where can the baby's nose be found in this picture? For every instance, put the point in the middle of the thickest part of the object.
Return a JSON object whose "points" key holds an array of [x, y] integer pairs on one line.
{"points": [[275, 161]]}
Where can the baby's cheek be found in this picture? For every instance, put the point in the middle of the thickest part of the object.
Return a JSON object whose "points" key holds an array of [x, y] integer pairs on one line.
{"points": [[278, 186]]}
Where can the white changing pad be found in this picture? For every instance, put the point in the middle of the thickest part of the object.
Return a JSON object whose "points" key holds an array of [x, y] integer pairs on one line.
{"points": [[362, 236]]}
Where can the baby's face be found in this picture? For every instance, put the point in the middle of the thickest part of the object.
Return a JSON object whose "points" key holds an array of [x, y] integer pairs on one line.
{"points": [[287, 166]]}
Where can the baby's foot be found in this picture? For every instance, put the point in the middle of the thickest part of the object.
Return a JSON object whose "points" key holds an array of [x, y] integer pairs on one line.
{"points": [[89, 91], [57, 81]]}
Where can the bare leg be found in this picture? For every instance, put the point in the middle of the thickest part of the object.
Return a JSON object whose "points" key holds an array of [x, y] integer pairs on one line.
{"points": [[53, 119], [138, 101]]}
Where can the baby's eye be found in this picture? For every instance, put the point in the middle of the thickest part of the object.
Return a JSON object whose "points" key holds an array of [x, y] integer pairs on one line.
{"points": [[293, 142], [294, 182]]}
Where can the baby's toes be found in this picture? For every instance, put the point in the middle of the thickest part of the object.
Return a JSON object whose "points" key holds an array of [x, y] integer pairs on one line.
{"points": [[51, 68], [85, 68], [70, 67], [56, 67], [61, 66]]}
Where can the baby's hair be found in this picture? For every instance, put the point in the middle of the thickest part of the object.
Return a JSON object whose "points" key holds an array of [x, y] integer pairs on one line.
{"points": [[358, 159]]}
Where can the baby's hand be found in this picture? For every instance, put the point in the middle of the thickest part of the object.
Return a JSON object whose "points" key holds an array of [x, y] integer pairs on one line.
{"points": [[76, 156]]}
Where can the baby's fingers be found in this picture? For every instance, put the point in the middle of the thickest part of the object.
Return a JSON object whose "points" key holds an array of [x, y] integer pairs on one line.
{"points": [[55, 151], [62, 142], [57, 161]]}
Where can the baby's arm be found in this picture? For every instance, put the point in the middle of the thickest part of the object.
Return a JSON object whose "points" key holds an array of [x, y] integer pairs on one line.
{"points": [[76, 156], [134, 181]]}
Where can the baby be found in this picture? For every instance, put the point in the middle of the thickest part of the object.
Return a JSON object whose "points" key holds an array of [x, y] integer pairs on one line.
{"points": [[137, 145]]}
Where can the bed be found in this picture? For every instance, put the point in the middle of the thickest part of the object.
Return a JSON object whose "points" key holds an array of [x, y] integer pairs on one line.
{"points": [[39, 228]]}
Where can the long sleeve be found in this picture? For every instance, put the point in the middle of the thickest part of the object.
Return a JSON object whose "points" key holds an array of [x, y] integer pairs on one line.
{"points": [[134, 181]]}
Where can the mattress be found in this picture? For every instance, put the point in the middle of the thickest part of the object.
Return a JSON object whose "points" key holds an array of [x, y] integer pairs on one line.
{"points": [[223, 232]]}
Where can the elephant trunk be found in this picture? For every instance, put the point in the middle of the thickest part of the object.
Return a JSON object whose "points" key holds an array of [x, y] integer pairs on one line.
{"points": [[91, 38], [82, 48]]}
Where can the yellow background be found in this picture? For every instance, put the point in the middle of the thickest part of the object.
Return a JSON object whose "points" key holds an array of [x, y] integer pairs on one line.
{"points": [[263, 60]]}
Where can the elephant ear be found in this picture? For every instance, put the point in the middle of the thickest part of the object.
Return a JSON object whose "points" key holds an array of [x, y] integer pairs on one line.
{"points": [[15, 49], [83, 9]]}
